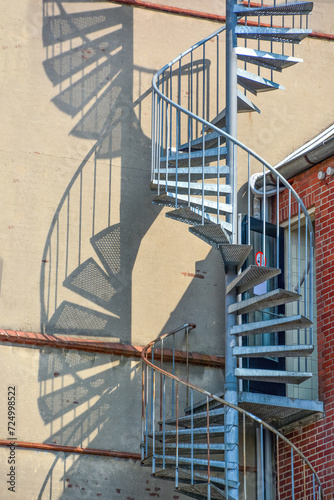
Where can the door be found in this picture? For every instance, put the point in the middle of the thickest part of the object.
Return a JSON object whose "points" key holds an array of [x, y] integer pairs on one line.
{"points": [[274, 253]]}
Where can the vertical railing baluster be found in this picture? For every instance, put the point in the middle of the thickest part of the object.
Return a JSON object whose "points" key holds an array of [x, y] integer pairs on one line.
{"points": [[311, 287], [299, 260], [177, 438], [153, 137], [264, 215], [289, 244], [292, 476], [177, 153], [146, 410], [306, 281], [171, 111], [304, 480], [173, 383], [204, 82], [192, 435], [226, 464], [208, 445], [244, 453], [298, 305], [187, 364], [167, 147], [218, 182], [203, 133], [248, 200], [192, 83], [278, 469], [203, 177], [277, 222], [158, 155], [164, 422], [162, 115], [161, 379], [217, 104], [189, 155], [262, 461], [179, 102], [153, 423], [142, 410], [313, 480], [152, 371]]}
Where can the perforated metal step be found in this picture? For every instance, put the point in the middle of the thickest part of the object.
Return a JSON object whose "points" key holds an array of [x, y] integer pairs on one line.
{"points": [[183, 199], [199, 419], [272, 325], [185, 448], [234, 255], [185, 434], [201, 405], [254, 83], [195, 157], [279, 351], [168, 201], [288, 35], [193, 217], [213, 234], [210, 141], [275, 376], [286, 9], [252, 276], [282, 412], [277, 62], [194, 172], [270, 299], [200, 491], [170, 460], [245, 105], [185, 475], [195, 187]]}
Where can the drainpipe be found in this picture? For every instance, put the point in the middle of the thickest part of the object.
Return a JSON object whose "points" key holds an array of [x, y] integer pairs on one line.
{"points": [[256, 207]]}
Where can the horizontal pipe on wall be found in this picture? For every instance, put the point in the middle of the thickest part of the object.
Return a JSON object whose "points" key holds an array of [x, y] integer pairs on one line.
{"points": [[97, 346], [70, 449], [203, 15]]}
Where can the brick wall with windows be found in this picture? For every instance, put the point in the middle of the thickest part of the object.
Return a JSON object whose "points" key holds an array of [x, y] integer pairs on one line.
{"points": [[316, 441]]}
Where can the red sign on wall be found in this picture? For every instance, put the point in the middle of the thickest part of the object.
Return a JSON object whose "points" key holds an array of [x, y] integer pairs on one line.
{"points": [[260, 259]]}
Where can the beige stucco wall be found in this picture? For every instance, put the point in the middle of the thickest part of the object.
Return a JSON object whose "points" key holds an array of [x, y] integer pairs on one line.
{"points": [[54, 109], [57, 98]]}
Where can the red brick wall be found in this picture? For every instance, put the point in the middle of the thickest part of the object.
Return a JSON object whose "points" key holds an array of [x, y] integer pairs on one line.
{"points": [[316, 441]]}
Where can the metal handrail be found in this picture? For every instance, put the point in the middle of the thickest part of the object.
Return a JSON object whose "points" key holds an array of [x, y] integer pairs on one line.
{"points": [[206, 393], [222, 132], [163, 140]]}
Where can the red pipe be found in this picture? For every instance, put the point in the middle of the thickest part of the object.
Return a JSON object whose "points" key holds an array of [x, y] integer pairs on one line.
{"points": [[71, 449], [98, 346], [203, 15], [172, 10]]}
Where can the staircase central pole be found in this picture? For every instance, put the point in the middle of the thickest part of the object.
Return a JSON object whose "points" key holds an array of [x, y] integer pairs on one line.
{"points": [[231, 383], [232, 106]]}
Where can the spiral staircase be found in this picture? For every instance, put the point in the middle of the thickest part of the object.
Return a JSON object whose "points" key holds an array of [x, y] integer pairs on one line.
{"points": [[195, 160]]}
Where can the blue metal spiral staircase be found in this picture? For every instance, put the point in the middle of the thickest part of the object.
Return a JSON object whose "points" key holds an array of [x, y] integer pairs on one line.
{"points": [[196, 157]]}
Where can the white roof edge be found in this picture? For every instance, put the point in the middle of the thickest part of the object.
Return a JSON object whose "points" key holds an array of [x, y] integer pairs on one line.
{"points": [[313, 152], [316, 150]]}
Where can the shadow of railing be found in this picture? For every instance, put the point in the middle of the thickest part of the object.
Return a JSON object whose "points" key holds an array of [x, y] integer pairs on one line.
{"points": [[97, 227]]}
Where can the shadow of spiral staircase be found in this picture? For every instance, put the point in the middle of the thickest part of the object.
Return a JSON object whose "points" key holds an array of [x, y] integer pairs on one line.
{"points": [[195, 160]]}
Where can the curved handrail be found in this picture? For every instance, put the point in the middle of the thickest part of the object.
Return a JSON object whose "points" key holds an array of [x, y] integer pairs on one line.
{"points": [[223, 401], [222, 132]]}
